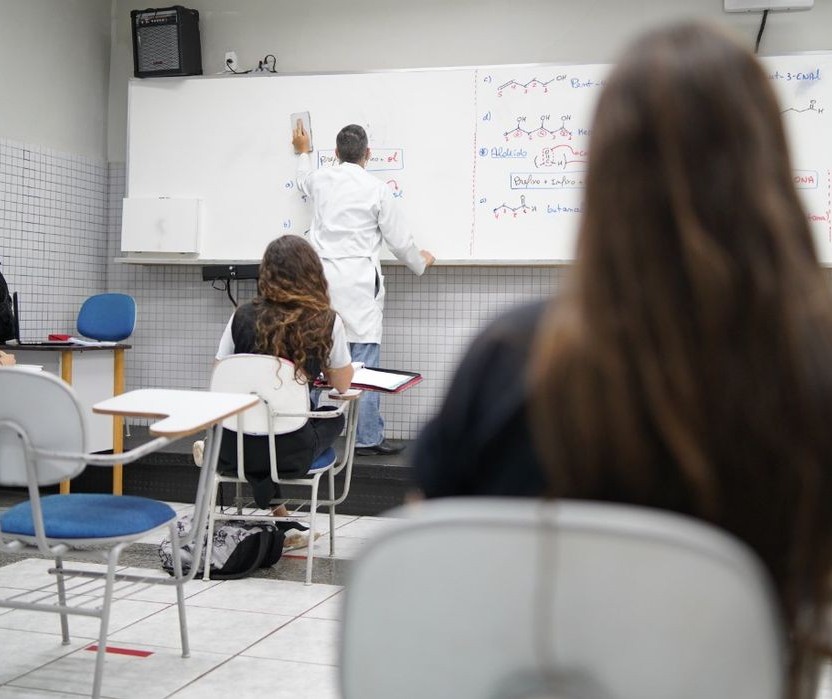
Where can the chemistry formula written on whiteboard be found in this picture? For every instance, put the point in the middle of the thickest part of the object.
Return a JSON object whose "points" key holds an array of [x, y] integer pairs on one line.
{"points": [[532, 138], [533, 132], [487, 164], [803, 84], [524, 175]]}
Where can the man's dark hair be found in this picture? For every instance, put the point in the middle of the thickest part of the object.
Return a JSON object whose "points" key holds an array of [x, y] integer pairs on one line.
{"points": [[351, 143]]}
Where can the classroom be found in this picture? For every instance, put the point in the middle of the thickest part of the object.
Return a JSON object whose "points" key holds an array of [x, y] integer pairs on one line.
{"points": [[66, 169]]}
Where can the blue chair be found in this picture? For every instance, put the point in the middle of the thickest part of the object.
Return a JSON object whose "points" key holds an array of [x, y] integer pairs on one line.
{"points": [[109, 317]]}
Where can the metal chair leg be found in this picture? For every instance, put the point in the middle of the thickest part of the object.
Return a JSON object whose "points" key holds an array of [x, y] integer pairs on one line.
{"points": [[238, 497], [310, 550], [331, 514]]}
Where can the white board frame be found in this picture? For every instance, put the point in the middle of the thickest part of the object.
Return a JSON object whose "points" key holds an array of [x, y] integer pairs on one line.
{"points": [[547, 241]]}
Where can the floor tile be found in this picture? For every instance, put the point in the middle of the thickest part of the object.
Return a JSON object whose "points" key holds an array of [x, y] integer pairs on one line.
{"points": [[163, 593], [365, 527], [329, 609], [258, 594], [305, 640], [125, 677], [345, 548], [260, 677], [209, 629], [123, 613], [9, 692], [25, 650], [31, 573]]}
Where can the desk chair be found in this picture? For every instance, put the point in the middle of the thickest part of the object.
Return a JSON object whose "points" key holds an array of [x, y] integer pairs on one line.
{"points": [[43, 442], [284, 407], [108, 317], [476, 598]]}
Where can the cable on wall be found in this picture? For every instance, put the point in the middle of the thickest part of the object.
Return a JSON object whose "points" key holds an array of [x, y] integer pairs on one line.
{"points": [[760, 32]]}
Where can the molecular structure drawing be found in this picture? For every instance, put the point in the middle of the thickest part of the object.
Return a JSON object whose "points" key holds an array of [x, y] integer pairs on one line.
{"points": [[532, 85], [560, 156], [541, 131], [505, 209], [813, 107]]}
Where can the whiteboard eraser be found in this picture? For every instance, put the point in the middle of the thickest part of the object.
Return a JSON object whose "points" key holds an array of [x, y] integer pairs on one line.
{"points": [[306, 122]]}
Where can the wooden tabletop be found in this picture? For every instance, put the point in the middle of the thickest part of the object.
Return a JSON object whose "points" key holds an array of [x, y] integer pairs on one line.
{"points": [[182, 412]]}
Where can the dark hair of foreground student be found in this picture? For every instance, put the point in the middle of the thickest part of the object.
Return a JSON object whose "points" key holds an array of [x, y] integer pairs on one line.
{"points": [[294, 318], [689, 366]]}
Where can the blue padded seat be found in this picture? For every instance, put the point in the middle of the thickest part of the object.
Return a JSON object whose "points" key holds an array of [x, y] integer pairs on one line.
{"points": [[88, 516], [109, 317], [324, 461]]}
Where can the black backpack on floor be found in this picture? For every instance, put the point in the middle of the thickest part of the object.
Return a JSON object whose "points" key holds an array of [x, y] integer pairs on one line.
{"points": [[238, 548]]}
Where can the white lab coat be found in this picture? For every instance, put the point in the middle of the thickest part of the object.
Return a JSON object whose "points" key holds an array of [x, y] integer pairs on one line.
{"points": [[353, 212]]}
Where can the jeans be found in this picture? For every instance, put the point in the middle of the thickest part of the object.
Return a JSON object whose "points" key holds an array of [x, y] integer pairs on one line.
{"points": [[370, 430]]}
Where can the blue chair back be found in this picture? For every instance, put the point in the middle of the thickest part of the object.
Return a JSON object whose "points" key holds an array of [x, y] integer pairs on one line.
{"points": [[109, 317]]}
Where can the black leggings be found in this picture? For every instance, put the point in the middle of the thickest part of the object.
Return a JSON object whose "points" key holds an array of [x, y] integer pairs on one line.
{"points": [[296, 451]]}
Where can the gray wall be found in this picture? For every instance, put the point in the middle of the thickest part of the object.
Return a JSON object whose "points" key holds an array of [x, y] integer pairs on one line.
{"points": [[54, 81]]}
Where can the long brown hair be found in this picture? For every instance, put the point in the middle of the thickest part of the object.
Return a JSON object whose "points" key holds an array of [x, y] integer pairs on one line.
{"points": [[689, 365], [294, 317]]}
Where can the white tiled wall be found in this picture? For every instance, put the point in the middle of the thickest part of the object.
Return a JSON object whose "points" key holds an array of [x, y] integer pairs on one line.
{"points": [[60, 220], [53, 233]]}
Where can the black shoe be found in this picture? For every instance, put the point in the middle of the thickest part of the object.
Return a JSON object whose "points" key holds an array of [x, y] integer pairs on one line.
{"points": [[384, 449]]}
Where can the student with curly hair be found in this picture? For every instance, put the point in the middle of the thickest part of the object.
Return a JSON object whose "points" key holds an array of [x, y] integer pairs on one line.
{"points": [[290, 318]]}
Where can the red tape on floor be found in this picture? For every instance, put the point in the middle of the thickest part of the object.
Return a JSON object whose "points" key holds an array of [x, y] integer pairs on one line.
{"points": [[122, 651]]}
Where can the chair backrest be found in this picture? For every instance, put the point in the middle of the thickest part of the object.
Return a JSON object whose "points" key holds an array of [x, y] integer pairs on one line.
{"points": [[270, 378], [47, 411], [109, 317], [506, 598]]}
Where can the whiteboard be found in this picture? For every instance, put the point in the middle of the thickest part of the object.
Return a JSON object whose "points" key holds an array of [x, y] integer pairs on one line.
{"points": [[487, 164]]}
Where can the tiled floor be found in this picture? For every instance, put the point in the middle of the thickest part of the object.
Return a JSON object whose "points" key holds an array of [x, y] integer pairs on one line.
{"points": [[257, 637], [264, 636]]}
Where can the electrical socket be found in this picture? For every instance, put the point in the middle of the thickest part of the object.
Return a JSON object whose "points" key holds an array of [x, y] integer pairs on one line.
{"points": [[231, 60]]}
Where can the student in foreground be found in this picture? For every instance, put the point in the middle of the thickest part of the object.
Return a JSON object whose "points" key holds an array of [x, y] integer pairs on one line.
{"points": [[687, 366], [290, 318]]}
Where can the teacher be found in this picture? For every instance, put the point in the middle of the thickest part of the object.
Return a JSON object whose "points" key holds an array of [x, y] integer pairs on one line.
{"points": [[353, 213]]}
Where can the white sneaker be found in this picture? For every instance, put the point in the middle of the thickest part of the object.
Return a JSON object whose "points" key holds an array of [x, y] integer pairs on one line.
{"points": [[197, 450]]}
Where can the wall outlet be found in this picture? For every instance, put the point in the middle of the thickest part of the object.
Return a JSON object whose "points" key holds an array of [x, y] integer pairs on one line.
{"points": [[231, 60]]}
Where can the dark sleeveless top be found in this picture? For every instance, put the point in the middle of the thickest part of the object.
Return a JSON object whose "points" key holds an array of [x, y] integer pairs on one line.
{"points": [[243, 332]]}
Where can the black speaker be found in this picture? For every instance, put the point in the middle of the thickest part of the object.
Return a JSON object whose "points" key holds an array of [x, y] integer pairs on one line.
{"points": [[166, 42]]}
